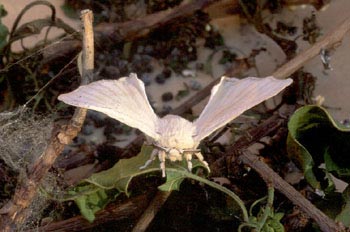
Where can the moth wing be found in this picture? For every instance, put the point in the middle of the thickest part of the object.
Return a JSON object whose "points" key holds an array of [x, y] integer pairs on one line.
{"points": [[231, 97], [123, 99]]}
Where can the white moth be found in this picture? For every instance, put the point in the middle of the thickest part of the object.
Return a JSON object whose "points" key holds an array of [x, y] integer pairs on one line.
{"points": [[172, 136]]}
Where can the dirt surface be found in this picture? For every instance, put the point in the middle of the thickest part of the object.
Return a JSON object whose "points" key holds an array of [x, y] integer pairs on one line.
{"points": [[332, 84]]}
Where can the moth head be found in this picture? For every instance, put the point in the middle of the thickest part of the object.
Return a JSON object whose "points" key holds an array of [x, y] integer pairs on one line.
{"points": [[175, 154]]}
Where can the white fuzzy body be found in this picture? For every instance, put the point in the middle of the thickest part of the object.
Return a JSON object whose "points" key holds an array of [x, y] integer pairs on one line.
{"points": [[175, 132]]}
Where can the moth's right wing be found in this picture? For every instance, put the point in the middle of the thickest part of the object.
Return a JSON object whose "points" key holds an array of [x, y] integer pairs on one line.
{"points": [[123, 99], [231, 97]]}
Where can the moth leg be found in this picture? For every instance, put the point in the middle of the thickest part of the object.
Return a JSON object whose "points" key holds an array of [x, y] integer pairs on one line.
{"points": [[151, 158], [161, 156], [201, 159], [188, 158]]}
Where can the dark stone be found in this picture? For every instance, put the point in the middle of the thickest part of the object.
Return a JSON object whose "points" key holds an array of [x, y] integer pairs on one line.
{"points": [[195, 85], [168, 96], [112, 72], [87, 129], [97, 118], [160, 78], [148, 49], [166, 110], [167, 73], [146, 79]]}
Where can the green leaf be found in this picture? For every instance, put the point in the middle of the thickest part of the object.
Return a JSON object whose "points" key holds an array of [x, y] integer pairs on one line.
{"points": [[94, 193], [3, 36], [120, 175], [92, 197], [343, 216], [3, 29], [302, 157], [89, 199], [173, 181], [176, 174], [315, 138], [333, 167]]}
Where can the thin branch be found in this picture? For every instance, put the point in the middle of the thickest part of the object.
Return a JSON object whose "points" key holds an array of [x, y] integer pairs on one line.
{"points": [[332, 40], [15, 212]]}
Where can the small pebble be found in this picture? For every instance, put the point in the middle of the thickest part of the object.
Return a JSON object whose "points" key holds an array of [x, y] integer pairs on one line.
{"points": [[140, 49], [123, 67], [166, 110], [208, 27], [101, 56], [175, 52], [200, 66], [87, 129], [105, 14], [122, 64], [146, 78], [115, 53], [112, 71], [97, 118], [51, 74], [168, 96], [148, 68], [188, 73], [346, 123], [112, 127], [126, 129], [137, 65], [146, 58], [160, 78], [79, 140], [136, 57], [195, 85], [167, 73], [148, 49], [110, 130]]}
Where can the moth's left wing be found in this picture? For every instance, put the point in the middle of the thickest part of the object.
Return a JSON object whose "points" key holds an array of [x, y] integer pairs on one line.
{"points": [[231, 97], [123, 99]]}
